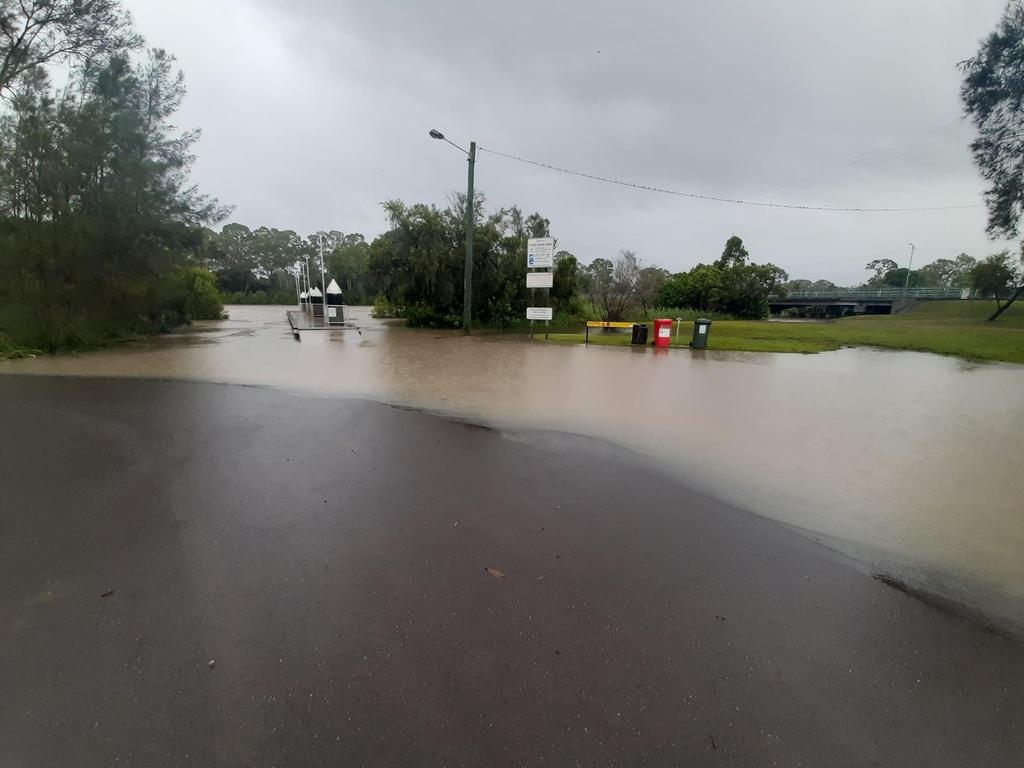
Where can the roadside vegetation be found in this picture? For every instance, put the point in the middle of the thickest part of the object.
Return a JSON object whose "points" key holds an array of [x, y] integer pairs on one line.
{"points": [[99, 226]]}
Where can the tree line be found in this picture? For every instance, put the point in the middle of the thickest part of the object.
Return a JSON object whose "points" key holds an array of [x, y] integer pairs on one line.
{"points": [[102, 234], [98, 222], [258, 266], [415, 270], [999, 277]]}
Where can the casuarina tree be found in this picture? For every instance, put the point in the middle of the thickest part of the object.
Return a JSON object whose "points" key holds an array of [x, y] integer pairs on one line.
{"points": [[34, 33], [993, 97]]}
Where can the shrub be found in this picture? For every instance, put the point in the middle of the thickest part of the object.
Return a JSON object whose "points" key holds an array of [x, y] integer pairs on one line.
{"points": [[422, 316], [382, 308], [189, 293], [259, 297]]}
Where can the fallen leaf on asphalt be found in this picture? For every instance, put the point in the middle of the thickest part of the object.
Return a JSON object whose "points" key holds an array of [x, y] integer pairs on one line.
{"points": [[495, 573], [108, 593]]}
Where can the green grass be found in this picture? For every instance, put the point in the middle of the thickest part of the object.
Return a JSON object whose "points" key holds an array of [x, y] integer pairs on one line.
{"points": [[943, 327]]}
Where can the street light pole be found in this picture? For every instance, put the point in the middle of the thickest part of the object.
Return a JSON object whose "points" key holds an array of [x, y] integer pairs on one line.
{"points": [[309, 290], [467, 285], [467, 281], [906, 283]]}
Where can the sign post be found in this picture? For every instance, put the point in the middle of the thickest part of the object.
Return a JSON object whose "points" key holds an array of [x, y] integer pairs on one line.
{"points": [[540, 261]]}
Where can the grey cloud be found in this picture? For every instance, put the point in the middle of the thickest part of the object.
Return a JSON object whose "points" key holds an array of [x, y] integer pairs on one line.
{"points": [[319, 110]]}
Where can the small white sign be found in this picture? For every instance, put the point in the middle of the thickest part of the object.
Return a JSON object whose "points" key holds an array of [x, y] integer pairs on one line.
{"points": [[540, 252], [539, 313], [664, 332], [332, 311], [702, 329], [539, 279]]}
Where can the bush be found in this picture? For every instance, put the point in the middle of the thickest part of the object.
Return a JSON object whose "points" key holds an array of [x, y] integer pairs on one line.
{"points": [[422, 316], [259, 297], [202, 301], [686, 314], [501, 314], [382, 308], [187, 294], [11, 351]]}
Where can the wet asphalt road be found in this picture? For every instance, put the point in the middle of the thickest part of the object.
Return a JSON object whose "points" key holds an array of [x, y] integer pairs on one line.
{"points": [[330, 556]]}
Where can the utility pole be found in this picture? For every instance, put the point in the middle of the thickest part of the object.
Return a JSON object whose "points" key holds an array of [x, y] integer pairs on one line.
{"points": [[467, 281], [906, 283], [467, 286]]}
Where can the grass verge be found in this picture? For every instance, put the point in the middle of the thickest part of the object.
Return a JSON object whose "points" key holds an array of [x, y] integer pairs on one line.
{"points": [[943, 327]]}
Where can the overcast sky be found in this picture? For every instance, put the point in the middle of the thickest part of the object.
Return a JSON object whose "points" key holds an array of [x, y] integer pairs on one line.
{"points": [[315, 111]]}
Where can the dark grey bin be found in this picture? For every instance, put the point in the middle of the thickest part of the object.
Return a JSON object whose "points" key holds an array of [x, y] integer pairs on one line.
{"points": [[701, 331]]}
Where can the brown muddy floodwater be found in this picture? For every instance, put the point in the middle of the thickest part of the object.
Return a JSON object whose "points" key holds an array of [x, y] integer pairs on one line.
{"points": [[911, 462]]}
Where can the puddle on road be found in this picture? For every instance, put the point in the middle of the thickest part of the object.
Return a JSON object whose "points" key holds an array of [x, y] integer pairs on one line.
{"points": [[908, 459]]}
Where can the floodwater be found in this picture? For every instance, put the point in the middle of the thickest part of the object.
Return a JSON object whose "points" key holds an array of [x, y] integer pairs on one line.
{"points": [[910, 462]]}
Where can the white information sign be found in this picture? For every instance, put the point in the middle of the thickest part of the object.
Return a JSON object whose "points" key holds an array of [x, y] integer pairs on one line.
{"points": [[539, 279], [540, 252], [539, 313]]}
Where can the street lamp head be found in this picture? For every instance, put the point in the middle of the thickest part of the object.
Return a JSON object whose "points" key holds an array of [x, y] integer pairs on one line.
{"points": [[436, 134]]}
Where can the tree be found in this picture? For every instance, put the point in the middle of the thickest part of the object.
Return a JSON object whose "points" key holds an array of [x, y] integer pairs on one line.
{"points": [[349, 263], [998, 277], [232, 254], [948, 273], [34, 33], [696, 289], [648, 286], [730, 285], [565, 282], [745, 289], [612, 286], [898, 278], [881, 268], [97, 216], [734, 254], [418, 264], [993, 97], [598, 281]]}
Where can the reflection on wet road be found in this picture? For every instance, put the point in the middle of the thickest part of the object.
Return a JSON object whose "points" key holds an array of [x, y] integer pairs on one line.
{"points": [[911, 461]]}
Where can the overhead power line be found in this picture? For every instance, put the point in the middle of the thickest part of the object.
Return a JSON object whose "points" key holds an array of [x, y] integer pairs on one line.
{"points": [[713, 198]]}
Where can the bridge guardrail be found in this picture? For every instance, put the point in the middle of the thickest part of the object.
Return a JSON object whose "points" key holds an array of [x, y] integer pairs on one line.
{"points": [[882, 293]]}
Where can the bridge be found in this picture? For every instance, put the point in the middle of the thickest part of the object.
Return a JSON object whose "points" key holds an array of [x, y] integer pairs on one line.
{"points": [[861, 301]]}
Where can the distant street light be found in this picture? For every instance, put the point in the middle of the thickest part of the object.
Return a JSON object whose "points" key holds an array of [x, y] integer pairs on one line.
{"points": [[906, 283], [467, 285]]}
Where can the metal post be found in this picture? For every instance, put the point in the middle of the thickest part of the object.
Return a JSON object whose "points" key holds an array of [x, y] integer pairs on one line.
{"points": [[547, 303], [906, 283], [533, 303], [467, 287], [309, 299], [323, 281]]}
